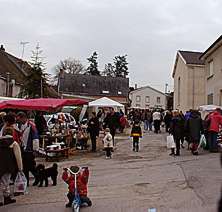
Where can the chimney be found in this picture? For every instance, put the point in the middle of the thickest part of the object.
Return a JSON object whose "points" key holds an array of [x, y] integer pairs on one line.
{"points": [[2, 48], [135, 86]]}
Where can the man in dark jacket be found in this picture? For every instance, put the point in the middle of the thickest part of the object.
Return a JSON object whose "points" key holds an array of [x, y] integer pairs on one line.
{"points": [[167, 120], [93, 129], [177, 130], [194, 129], [112, 122]]}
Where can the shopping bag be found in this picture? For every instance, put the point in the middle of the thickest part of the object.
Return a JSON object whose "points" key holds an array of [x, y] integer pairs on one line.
{"points": [[20, 183], [170, 142], [202, 142]]}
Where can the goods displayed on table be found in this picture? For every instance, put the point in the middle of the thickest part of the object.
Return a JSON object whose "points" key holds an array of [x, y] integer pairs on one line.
{"points": [[61, 134]]}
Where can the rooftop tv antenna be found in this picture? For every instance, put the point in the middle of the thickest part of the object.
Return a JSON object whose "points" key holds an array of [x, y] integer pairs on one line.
{"points": [[23, 43]]}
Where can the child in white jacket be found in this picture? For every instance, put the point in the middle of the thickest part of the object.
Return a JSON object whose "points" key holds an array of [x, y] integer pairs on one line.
{"points": [[108, 143]]}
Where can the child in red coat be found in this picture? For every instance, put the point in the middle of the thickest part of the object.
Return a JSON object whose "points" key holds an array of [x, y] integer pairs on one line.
{"points": [[82, 181]]}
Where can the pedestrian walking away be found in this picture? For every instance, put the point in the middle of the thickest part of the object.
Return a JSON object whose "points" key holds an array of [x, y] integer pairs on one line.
{"points": [[194, 129], [177, 130], [215, 121], [156, 121], [167, 120], [136, 134]]}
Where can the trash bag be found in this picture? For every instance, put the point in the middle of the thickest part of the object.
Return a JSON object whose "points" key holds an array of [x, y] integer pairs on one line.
{"points": [[202, 142], [170, 142], [20, 183]]}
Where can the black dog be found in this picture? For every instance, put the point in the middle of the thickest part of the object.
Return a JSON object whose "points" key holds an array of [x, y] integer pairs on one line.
{"points": [[42, 174]]}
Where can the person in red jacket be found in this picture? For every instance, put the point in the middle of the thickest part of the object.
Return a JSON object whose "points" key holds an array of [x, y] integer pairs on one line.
{"points": [[82, 181], [215, 121]]}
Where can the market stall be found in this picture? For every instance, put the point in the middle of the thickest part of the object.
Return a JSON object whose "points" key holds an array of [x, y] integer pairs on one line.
{"points": [[105, 102], [3, 98], [40, 104], [60, 134]]}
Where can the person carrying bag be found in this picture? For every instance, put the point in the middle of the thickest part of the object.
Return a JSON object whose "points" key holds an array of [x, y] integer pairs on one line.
{"points": [[20, 183], [10, 164], [170, 142]]}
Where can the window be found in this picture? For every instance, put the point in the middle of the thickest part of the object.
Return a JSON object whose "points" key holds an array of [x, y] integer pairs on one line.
{"points": [[179, 91], [158, 100], [220, 98], [105, 92], [211, 69], [119, 92], [147, 99], [138, 98], [210, 99]]}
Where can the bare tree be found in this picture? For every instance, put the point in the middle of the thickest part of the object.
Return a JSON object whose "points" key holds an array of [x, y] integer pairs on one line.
{"points": [[71, 66]]}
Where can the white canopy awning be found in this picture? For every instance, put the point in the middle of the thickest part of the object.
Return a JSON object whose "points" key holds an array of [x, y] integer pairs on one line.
{"points": [[105, 102], [209, 107]]}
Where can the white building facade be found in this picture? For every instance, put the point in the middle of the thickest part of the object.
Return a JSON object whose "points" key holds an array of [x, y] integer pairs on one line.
{"points": [[148, 98]]}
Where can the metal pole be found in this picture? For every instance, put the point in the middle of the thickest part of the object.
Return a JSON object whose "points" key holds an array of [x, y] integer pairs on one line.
{"points": [[193, 99], [166, 86], [23, 51], [41, 88], [23, 48]]}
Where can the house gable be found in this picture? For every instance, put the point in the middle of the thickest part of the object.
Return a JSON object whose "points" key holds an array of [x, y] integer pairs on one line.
{"points": [[13, 67], [189, 58], [148, 87], [217, 44]]}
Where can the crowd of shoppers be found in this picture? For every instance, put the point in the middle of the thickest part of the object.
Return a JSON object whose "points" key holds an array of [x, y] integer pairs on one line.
{"points": [[191, 127], [19, 140]]}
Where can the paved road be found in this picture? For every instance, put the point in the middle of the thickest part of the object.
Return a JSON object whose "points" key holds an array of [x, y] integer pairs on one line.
{"points": [[137, 181]]}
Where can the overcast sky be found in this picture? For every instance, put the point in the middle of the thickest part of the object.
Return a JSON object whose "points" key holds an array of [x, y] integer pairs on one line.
{"points": [[148, 31]]}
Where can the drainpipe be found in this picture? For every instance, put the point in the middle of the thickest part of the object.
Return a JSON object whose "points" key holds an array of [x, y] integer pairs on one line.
{"points": [[7, 84], [193, 100]]}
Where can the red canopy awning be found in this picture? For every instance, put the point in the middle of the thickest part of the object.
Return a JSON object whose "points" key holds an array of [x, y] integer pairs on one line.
{"points": [[41, 104]]}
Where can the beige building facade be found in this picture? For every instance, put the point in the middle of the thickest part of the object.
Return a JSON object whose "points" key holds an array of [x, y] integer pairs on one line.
{"points": [[147, 98], [9, 89], [213, 73], [189, 81]]}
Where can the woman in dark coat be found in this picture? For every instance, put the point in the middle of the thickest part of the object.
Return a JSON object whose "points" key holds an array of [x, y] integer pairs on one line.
{"points": [[93, 129], [194, 129], [177, 130]]}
